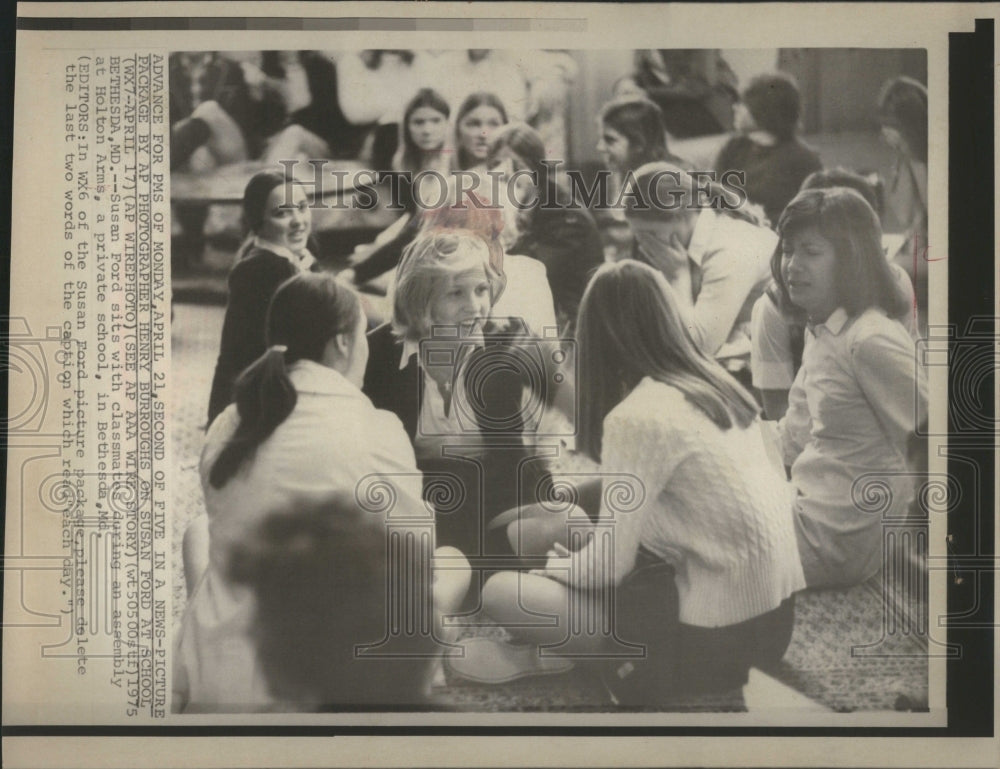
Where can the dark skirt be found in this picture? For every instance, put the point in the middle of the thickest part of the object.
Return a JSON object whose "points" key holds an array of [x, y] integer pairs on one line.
{"points": [[685, 659]]}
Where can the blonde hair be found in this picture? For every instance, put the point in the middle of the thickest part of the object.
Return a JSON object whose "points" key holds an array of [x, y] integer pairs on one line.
{"points": [[423, 273]]}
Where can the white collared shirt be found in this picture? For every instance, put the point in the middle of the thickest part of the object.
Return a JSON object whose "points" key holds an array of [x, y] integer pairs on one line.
{"points": [[439, 426], [852, 408]]}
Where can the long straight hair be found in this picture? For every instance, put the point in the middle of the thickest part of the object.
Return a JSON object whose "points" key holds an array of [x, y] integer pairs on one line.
{"points": [[842, 216], [410, 157], [641, 122], [305, 313], [471, 102], [629, 327]]}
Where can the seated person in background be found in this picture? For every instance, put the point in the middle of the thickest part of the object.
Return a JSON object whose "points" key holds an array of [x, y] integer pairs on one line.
{"points": [[714, 253], [301, 429], [858, 397], [766, 146], [546, 224], [279, 221], [702, 560], [777, 327], [422, 148], [321, 582], [450, 375], [695, 89], [902, 113], [316, 126], [213, 107], [632, 134], [478, 117]]}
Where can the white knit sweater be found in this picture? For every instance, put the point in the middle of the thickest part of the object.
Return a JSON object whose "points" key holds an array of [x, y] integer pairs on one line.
{"points": [[714, 505]]}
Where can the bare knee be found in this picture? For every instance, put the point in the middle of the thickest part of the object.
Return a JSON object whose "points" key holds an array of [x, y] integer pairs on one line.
{"points": [[500, 595]]}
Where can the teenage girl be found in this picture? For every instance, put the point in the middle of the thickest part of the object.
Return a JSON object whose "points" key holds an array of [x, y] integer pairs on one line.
{"points": [[422, 138], [858, 397], [777, 326], [707, 511], [478, 117], [300, 430]]}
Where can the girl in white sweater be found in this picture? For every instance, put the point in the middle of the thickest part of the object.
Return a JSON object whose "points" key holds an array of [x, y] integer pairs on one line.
{"points": [[695, 527]]}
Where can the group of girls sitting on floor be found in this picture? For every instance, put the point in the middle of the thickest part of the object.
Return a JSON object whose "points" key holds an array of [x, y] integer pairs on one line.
{"points": [[359, 476]]}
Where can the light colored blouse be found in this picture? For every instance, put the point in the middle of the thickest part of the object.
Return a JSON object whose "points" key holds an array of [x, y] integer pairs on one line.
{"points": [[708, 501], [856, 400], [334, 441]]}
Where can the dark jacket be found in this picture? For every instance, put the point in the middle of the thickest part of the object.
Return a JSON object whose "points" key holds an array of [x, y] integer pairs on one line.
{"points": [[567, 242], [252, 283], [509, 473]]}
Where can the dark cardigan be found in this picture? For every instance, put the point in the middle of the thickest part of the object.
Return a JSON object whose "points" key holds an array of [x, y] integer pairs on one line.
{"points": [[252, 283], [509, 473]]}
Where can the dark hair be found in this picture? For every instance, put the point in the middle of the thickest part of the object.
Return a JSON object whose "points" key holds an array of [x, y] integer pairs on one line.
{"points": [[409, 157], [902, 105], [843, 217], [841, 177], [320, 575], [629, 326], [773, 100], [526, 145], [471, 102], [255, 197], [663, 191], [305, 312], [641, 122]]}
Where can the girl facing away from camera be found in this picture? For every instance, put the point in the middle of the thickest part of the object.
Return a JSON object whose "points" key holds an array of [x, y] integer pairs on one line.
{"points": [[858, 397], [766, 146], [300, 429], [708, 510]]}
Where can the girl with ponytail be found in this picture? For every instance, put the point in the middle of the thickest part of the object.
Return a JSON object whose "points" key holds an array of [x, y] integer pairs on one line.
{"points": [[300, 431]]}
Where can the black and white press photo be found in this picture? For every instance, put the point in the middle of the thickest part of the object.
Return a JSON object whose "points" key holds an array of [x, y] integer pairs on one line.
{"points": [[517, 380]]}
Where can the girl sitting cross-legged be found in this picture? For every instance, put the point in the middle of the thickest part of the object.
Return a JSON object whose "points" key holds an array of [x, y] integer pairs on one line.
{"points": [[701, 565]]}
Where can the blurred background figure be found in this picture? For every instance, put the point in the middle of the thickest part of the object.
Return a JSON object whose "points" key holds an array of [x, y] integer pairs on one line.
{"points": [[766, 147]]}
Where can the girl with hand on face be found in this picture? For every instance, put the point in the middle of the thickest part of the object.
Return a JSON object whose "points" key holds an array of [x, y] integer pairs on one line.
{"points": [[478, 117], [714, 252], [858, 397], [300, 430], [277, 214], [701, 552]]}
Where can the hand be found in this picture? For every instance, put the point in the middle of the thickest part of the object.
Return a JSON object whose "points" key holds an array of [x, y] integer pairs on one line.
{"points": [[347, 276], [558, 565]]}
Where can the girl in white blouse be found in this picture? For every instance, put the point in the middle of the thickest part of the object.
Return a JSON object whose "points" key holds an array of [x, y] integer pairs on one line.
{"points": [[300, 431], [694, 516], [859, 396]]}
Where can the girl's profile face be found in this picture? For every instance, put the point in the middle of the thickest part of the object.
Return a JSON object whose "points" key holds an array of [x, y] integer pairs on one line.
{"points": [[809, 270], [476, 128], [287, 218], [427, 128], [464, 298], [613, 148]]}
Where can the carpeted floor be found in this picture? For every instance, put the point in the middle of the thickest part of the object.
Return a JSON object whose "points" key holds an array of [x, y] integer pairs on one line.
{"points": [[819, 663]]}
